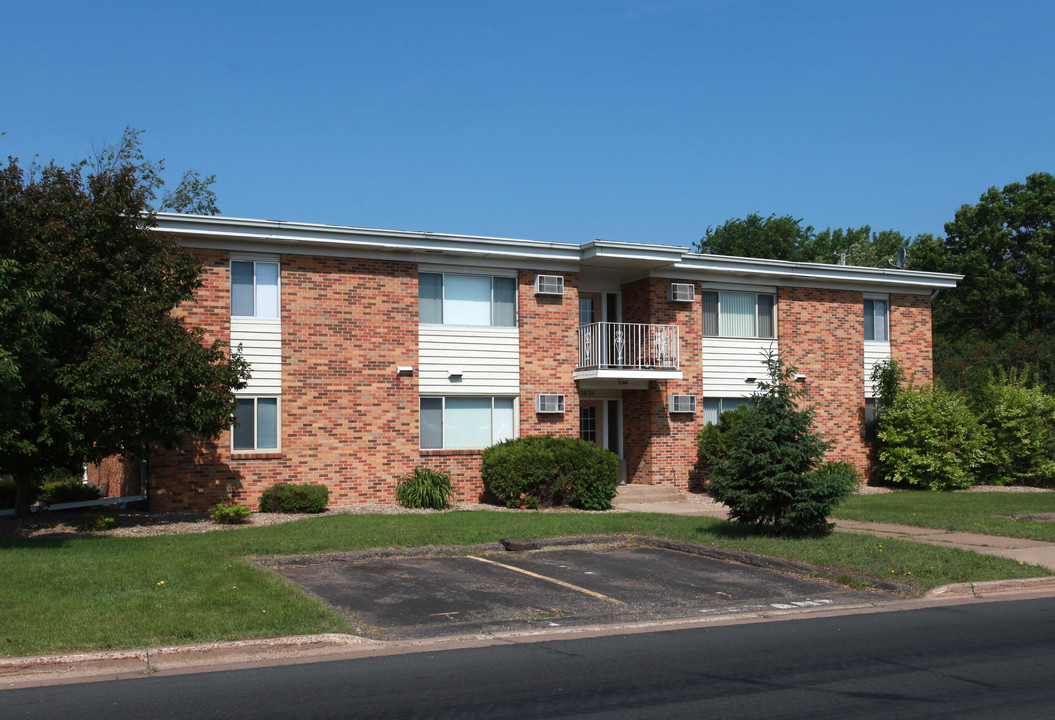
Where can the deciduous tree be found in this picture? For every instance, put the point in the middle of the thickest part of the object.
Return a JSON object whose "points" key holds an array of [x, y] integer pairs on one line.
{"points": [[94, 357]]}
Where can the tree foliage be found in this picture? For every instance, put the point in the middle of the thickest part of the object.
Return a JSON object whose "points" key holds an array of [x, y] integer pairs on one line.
{"points": [[786, 238], [772, 476], [1021, 418], [1002, 313], [95, 361]]}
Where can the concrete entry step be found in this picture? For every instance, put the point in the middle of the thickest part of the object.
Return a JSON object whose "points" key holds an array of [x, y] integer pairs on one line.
{"points": [[637, 494]]}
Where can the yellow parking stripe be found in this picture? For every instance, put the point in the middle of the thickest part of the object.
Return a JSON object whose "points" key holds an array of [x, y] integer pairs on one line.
{"points": [[547, 579]]}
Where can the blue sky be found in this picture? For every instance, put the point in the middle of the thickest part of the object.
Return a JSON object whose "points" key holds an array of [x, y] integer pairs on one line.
{"points": [[563, 121]]}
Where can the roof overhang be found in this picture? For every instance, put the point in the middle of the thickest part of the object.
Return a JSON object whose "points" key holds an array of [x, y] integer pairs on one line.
{"points": [[666, 261]]}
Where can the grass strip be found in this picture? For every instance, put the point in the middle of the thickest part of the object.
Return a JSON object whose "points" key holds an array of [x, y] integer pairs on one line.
{"points": [[979, 512], [98, 592]]}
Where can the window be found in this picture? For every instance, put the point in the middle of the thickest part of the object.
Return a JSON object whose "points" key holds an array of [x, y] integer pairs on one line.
{"points": [[254, 289], [449, 299], [870, 431], [876, 314], [466, 422], [256, 424], [738, 314], [714, 407], [588, 423]]}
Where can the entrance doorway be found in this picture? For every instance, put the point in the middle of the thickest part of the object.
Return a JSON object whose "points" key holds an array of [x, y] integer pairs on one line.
{"points": [[601, 422]]}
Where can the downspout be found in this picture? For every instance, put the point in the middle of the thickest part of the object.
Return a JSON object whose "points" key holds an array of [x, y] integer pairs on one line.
{"points": [[143, 470]]}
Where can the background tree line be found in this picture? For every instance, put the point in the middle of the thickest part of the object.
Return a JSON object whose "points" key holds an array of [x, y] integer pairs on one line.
{"points": [[1001, 316]]}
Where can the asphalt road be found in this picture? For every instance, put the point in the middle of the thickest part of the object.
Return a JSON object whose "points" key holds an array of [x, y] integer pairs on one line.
{"points": [[989, 660]]}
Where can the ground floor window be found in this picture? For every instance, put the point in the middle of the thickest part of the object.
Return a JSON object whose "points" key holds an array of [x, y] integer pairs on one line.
{"points": [[714, 407], [588, 423], [256, 424], [871, 434], [466, 422]]}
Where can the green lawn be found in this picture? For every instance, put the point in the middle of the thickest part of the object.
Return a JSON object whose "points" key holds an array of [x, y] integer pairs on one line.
{"points": [[980, 512], [102, 592]]}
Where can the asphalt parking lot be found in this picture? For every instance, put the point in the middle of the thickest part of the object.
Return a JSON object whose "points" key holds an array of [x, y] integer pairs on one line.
{"points": [[435, 596]]}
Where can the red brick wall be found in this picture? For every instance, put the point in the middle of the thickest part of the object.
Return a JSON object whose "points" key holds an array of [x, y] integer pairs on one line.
{"points": [[549, 350], [660, 447], [463, 466], [822, 333], [910, 336], [347, 419], [115, 476]]}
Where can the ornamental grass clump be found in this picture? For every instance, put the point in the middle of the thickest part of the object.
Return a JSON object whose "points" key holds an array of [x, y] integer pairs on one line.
{"points": [[425, 488], [543, 471], [771, 475]]}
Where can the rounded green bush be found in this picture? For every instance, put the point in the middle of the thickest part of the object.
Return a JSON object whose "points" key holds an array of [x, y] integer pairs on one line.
{"points": [[425, 488], [930, 438], [72, 489], [294, 498], [223, 514], [541, 471]]}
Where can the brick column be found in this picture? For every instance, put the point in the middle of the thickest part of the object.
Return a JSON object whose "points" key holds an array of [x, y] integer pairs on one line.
{"points": [[822, 333]]}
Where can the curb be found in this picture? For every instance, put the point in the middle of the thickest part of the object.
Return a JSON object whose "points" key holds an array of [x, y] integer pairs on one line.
{"points": [[991, 587], [113, 664]]}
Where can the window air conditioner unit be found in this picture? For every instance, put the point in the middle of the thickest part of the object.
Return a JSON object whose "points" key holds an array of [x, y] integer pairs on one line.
{"points": [[682, 292], [549, 284], [549, 403], [683, 403]]}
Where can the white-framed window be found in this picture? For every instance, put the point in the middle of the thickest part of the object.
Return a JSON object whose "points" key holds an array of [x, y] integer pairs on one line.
{"points": [[255, 425], [870, 433], [731, 313], [714, 407], [462, 299], [459, 422], [254, 289], [877, 320]]}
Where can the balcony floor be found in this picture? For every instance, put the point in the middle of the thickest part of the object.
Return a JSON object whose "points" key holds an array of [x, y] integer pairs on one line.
{"points": [[626, 374]]}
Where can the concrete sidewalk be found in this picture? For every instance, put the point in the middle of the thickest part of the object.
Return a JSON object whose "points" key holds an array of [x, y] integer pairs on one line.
{"points": [[1035, 552]]}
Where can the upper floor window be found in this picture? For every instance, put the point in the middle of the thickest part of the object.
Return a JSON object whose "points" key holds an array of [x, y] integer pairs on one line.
{"points": [[738, 314], [254, 289], [876, 320], [451, 299]]}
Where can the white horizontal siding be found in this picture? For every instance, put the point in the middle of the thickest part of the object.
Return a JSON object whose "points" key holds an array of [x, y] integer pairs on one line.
{"points": [[728, 361], [261, 346], [488, 357], [875, 353]]}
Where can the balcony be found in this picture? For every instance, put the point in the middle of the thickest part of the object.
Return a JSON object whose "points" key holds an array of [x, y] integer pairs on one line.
{"points": [[628, 351]]}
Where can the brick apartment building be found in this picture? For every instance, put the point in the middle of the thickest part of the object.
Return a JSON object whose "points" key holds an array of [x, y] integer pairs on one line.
{"points": [[375, 351]]}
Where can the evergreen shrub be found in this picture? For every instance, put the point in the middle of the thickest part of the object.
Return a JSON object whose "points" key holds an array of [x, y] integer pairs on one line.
{"points": [[773, 476], [715, 442], [425, 488], [294, 498], [542, 471]]}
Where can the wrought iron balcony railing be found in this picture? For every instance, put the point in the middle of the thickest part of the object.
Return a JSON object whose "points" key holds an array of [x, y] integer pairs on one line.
{"points": [[628, 346]]}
